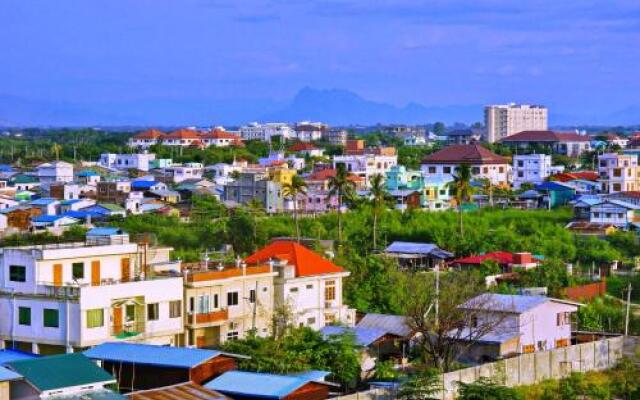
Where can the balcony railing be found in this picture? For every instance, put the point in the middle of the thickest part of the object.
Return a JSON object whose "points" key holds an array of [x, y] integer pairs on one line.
{"points": [[214, 274], [127, 330], [205, 318]]}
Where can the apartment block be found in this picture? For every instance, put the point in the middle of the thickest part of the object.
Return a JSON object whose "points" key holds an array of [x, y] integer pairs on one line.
{"points": [[69, 296], [530, 168], [508, 119], [618, 172]]}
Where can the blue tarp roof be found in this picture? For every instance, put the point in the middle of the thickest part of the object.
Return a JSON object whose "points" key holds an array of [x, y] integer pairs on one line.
{"points": [[10, 355], [179, 357], [8, 375], [417, 248], [257, 385], [364, 336]]}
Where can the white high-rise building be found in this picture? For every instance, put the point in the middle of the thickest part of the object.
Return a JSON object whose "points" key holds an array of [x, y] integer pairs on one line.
{"points": [[508, 119]]}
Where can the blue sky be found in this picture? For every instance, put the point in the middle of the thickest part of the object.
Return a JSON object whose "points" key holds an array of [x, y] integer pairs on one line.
{"points": [[575, 56]]}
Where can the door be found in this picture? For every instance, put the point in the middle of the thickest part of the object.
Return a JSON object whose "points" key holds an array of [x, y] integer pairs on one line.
{"points": [[125, 271], [95, 273], [200, 341], [117, 320], [57, 274]]}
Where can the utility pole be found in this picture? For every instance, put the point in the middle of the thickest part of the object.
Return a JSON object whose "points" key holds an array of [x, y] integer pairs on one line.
{"points": [[626, 318], [437, 308]]}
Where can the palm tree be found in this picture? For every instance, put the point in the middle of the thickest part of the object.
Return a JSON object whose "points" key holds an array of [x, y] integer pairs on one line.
{"points": [[340, 186], [296, 187], [379, 196], [462, 190], [56, 148]]}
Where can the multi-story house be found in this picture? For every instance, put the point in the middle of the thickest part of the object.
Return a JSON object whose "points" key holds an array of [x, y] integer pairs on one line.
{"points": [[182, 137], [56, 171], [264, 132], [508, 119], [310, 131], [146, 139], [335, 136], [139, 161], [366, 165], [618, 172], [484, 163], [113, 191], [615, 212], [185, 171], [530, 168], [227, 302], [255, 185], [218, 137], [308, 287], [61, 297], [516, 324], [567, 143]]}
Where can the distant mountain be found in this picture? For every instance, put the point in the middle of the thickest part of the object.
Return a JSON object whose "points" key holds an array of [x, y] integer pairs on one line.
{"points": [[343, 107]]}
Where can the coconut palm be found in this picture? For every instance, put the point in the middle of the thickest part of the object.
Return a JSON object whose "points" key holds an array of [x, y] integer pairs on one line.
{"points": [[56, 148], [340, 186], [296, 187], [462, 190], [379, 196]]}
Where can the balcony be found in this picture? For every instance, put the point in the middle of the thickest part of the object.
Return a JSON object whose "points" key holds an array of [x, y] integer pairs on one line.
{"points": [[207, 318], [127, 330], [225, 273]]}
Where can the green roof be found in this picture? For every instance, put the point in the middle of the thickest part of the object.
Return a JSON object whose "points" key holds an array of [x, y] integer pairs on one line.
{"points": [[56, 372], [24, 179], [102, 394], [111, 207]]}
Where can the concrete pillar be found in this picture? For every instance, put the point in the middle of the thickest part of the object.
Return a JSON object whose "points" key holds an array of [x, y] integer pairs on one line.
{"points": [[3, 345], [69, 349], [35, 349]]}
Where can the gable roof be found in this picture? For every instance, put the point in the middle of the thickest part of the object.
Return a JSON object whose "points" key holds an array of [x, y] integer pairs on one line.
{"points": [[363, 336], [8, 375], [187, 390], [165, 356], [149, 134], [258, 385], [303, 146], [570, 176], [9, 355], [305, 261], [394, 324], [512, 303], [545, 136], [417, 248], [464, 153], [61, 371], [182, 134]]}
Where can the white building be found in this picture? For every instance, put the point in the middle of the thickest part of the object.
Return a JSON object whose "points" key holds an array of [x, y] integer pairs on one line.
{"points": [[146, 139], [59, 297], [186, 171], [366, 165], [615, 212], [264, 132], [508, 119], [307, 285], [139, 161], [618, 172], [56, 171], [530, 168], [484, 163], [310, 131], [218, 137]]}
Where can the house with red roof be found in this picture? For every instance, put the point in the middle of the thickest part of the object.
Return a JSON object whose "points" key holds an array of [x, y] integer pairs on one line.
{"points": [[506, 261], [568, 143], [181, 137], [146, 139], [219, 137], [484, 163], [307, 149], [308, 285]]}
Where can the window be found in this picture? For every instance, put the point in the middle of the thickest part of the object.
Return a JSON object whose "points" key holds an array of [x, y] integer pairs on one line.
{"points": [[24, 316], [175, 309], [203, 304], [77, 270], [329, 319], [153, 311], [446, 170], [232, 299], [330, 290], [51, 318], [542, 345], [192, 304], [95, 318], [252, 296], [215, 301], [528, 348], [233, 335], [293, 290], [309, 286], [311, 321], [563, 318], [432, 170], [17, 273]]}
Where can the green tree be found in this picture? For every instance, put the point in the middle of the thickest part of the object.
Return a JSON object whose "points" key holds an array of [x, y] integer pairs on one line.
{"points": [[379, 197], [423, 385], [462, 190], [292, 190], [439, 128], [486, 389], [340, 186]]}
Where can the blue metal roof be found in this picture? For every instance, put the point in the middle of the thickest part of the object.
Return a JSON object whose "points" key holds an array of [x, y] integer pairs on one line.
{"points": [[10, 355], [257, 385], [45, 201], [82, 214], [47, 218], [512, 303], [105, 231], [553, 186], [312, 375], [88, 172], [364, 336], [8, 375], [143, 184], [411, 248], [179, 357]]}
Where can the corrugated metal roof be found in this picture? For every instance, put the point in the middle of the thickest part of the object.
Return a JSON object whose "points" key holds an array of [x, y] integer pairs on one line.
{"points": [[8, 375], [101, 394], [417, 248], [10, 355], [178, 357], [313, 375], [512, 303], [188, 390], [394, 324], [256, 384], [56, 372], [364, 336], [45, 201]]}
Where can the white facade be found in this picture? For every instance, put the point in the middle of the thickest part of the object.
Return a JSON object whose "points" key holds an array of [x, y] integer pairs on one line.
{"points": [[618, 172], [497, 174], [264, 132], [57, 171], [615, 212], [530, 168], [139, 161], [506, 120], [186, 171], [366, 165], [93, 294]]}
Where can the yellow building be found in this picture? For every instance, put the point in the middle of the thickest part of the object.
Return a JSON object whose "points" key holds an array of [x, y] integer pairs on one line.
{"points": [[281, 175]]}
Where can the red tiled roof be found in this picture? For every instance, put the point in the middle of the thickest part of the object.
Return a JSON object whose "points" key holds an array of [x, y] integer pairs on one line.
{"points": [[219, 134], [501, 257], [182, 134], [464, 153], [545, 136], [301, 146], [149, 134], [570, 176], [306, 262], [323, 174]]}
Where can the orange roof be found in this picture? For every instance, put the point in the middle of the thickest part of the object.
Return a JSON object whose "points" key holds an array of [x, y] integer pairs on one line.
{"points": [[219, 134], [302, 146], [183, 134], [570, 176], [323, 174], [149, 134], [305, 261]]}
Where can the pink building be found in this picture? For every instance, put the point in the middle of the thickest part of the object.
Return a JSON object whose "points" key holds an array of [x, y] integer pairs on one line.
{"points": [[317, 202]]}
